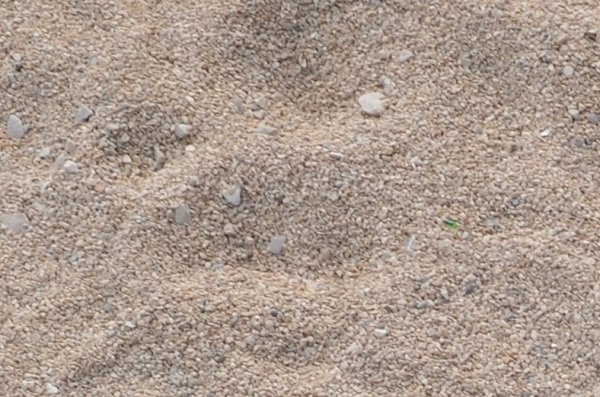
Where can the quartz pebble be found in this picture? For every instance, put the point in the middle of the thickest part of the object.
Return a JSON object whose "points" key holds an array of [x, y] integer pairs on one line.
{"points": [[183, 130], [372, 103]]}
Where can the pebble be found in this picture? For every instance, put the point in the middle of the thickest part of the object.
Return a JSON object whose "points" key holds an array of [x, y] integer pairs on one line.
{"points": [[183, 215], [566, 235], [387, 85], [83, 114], [229, 230], [546, 133], [15, 128], [372, 103], [589, 261], [237, 105], [593, 118], [578, 142], [568, 71], [44, 152], [470, 287], [574, 113], [266, 129], [51, 389], [233, 195], [159, 158], [380, 331], [276, 244], [15, 222], [262, 102], [183, 130], [126, 159], [71, 167], [259, 114], [405, 55]]}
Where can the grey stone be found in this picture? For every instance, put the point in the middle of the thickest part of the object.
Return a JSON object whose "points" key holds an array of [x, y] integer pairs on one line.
{"points": [[71, 167], [266, 129], [276, 244], [233, 195], [15, 128], [405, 55], [183, 215], [237, 105], [372, 103], [574, 114], [593, 118], [51, 389], [14, 222], [183, 130], [83, 114], [380, 331], [159, 158], [259, 114], [44, 152], [568, 71], [229, 230]]}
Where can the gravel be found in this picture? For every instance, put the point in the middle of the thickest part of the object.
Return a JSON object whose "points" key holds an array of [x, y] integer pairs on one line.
{"points": [[105, 294]]}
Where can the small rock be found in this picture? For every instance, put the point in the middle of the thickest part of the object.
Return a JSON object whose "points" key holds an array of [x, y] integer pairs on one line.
{"points": [[593, 118], [44, 152], [71, 167], [126, 159], [51, 389], [83, 114], [445, 295], [405, 55], [568, 71], [574, 114], [547, 132], [578, 142], [262, 102], [183, 215], [387, 85], [229, 230], [237, 105], [183, 130], [15, 128], [276, 244], [566, 235], [233, 195], [589, 261], [591, 35], [266, 129], [259, 114], [380, 331], [159, 158], [15, 222], [470, 287], [372, 103], [129, 325], [547, 56]]}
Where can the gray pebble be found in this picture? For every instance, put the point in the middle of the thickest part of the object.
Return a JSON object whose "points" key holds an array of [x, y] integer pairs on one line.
{"points": [[44, 152], [568, 71], [276, 244], [229, 230], [372, 103], [266, 129], [380, 331], [71, 167], [183, 215], [237, 105], [259, 114], [83, 114], [15, 222], [159, 158], [470, 287], [593, 118], [233, 195], [578, 142], [405, 55], [183, 130], [574, 114], [15, 128]]}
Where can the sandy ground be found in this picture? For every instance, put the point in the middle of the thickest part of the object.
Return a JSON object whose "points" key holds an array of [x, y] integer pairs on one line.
{"points": [[140, 244]]}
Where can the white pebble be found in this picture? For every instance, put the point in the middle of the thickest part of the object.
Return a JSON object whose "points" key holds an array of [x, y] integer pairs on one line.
{"points": [[183, 130], [568, 71], [15, 128], [276, 244], [372, 103], [44, 152], [233, 195], [15, 222], [405, 55], [51, 389], [266, 129]]}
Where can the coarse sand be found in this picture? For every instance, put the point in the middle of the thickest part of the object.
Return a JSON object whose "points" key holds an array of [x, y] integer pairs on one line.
{"points": [[299, 198]]}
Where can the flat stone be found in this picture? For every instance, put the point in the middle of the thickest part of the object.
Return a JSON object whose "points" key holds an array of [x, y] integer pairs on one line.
{"points": [[405, 55], [44, 152], [83, 114], [70, 167], [183, 130], [380, 332], [372, 103], [51, 389], [276, 244], [15, 128], [183, 214], [233, 195], [574, 114], [15, 222], [266, 129], [593, 118]]}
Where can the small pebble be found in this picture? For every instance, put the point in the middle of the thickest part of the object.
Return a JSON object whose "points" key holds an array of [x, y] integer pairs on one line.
{"points": [[159, 158], [276, 244], [15, 222], [233, 195], [578, 142], [259, 114], [83, 114], [372, 103], [405, 55], [70, 167], [589, 261], [380, 331], [568, 71], [266, 129], [470, 287], [574, 114], [44, 152], [183, 215], [183, 130], [593, 118], [229, 230], [262, 102], [237, 105], [15, 128], [546, 133], [51, 389], [126, 159]]}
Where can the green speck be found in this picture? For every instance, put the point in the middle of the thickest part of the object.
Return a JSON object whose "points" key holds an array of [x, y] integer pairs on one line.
{"points": [[451, 223]]}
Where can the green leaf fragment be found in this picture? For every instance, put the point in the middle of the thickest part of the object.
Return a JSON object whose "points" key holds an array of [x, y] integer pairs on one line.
{"points": [[451, 223]]}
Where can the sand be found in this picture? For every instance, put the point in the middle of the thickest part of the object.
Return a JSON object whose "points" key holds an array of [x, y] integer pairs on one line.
{"points": [[194, 202]]}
